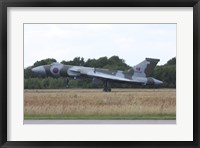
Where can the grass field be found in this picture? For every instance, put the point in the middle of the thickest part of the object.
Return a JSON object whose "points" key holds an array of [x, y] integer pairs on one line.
{"points": [[94, 104]]}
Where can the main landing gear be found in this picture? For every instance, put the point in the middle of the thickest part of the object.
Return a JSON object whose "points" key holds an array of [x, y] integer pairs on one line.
{"points": [[67, 83], [106, 86]]}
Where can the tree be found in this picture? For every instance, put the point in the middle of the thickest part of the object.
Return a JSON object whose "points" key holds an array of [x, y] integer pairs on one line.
{"points": [[91, 63], [28, 73], [115, 63], [77, 61], [101, 62], [172, 61], [167, 73], [44, 62]]}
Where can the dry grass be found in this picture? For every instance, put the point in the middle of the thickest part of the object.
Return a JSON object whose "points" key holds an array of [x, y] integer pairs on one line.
{"points": [[119, 103]]}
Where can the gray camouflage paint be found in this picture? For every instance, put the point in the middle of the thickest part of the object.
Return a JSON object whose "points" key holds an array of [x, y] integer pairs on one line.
{"points": [[138, 74]]}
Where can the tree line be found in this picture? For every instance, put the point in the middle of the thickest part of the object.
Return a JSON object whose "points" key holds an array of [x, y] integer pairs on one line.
{"points": [[166, 73]]}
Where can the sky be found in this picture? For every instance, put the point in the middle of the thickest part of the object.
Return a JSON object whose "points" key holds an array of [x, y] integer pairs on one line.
{"points": [[131, 42]]}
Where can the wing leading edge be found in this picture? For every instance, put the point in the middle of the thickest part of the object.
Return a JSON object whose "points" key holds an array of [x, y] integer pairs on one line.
{"points": [[104, 76]]}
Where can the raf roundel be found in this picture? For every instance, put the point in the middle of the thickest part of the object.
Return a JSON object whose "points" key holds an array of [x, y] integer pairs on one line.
{"points": [[55, 70]]}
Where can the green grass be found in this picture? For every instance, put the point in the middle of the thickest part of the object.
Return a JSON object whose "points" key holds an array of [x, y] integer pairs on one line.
{"points": [[93, 117]]}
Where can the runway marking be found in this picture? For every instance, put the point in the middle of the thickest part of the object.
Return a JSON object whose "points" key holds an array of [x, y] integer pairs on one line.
{"points": [[99, 121]]}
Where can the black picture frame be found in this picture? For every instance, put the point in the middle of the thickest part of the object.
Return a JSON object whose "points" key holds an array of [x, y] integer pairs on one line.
{"points": [[4, 4]]}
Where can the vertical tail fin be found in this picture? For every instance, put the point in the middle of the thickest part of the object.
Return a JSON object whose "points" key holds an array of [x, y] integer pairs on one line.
{"points": [[145, 68]]}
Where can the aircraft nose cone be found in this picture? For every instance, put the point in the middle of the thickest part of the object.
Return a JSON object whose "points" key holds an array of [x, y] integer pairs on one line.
{"points": [[39, 70]]}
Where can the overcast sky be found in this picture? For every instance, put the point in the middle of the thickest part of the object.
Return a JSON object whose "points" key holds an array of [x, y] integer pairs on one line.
{"points": [[131, 42]]}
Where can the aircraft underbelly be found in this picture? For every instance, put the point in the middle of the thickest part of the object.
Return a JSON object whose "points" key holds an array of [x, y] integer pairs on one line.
{"points": [[140, 79]]}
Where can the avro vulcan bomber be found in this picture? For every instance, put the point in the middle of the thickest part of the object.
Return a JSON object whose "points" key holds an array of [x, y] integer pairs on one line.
{"points": [[139, 74]]}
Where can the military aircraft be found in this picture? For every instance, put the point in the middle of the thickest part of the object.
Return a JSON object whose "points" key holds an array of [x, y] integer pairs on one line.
{"points": [[139, 74]]}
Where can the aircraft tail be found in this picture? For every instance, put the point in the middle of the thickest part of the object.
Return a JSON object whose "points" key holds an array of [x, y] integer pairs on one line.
{"points": [[145, 68]]}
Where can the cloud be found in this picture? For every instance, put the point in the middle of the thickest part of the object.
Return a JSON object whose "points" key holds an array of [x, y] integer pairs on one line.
{"points": [[132, 42]]}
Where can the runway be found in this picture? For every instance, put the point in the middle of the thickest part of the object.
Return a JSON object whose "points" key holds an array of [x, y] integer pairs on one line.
{"points": [[99, 121]]}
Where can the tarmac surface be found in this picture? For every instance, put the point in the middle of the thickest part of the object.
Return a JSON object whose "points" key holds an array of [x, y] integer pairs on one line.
{"points": [[99, 121]]}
